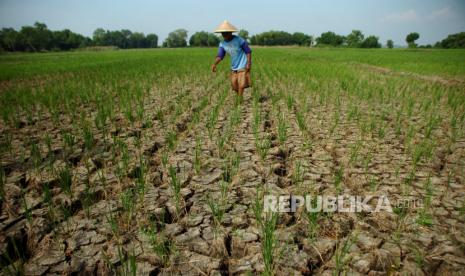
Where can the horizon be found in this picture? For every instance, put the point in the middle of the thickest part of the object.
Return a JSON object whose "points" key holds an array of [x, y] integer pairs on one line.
{"points": [[433, 20]]}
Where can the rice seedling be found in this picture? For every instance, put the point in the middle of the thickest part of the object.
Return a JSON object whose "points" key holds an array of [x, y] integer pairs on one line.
{"points": [[171, 138], [297, 174], [282, 129], [159, 243], [312, 220], [88, 137], [197, 155], [128, 204], [269, 242], [263, 146], [217, 209], [338, 178], [341, 255], [175, 186], [36, 156], [65, 178], [27, 210]]}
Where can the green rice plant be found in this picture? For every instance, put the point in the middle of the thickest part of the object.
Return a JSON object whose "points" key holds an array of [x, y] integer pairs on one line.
{"points": [[290, 102], [128, 113], [220, 142], [69, 141], [141, 175], [263, 146], [159, 244], [269, 242], [312, 220], [176, 186], [418, 255], [48, 142], [336, 119], [88, 199], [6, 144], [164, 158], [65, 178], [112, 221], [212, 119], [373, 183], [298, 173], [217, 209], [171, 138], [338, 178], [341, 255], [16, 260], [198, 155], [231, 166], [354, 151], [36, 156], [258, 205], [424, 216], [88, 137], [27, 210], [128, 204], [159, 115], [282, 129], [300, 118]]}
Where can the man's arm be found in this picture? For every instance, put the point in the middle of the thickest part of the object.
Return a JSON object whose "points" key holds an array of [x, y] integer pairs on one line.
{"points": [[245, 47], [219, 58], [249, 62]]}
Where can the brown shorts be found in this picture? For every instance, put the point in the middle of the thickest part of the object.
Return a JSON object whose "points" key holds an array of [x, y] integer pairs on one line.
{"points": [[240, 79]]}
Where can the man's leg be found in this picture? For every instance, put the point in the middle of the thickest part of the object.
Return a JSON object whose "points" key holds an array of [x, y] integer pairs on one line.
{"points": [[242, 83], [234, 82]]}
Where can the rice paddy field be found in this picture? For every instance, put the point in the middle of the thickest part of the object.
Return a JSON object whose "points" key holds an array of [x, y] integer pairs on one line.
{"points": [[143, 162]]}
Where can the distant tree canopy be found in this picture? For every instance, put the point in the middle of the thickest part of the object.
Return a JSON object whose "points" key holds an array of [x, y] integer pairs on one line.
{"points": [[453, 41], [175, 39], [330, 38], [124, 39], [390, 43], [271, 38], [355, 39], [244, 34], [370, 42], [40, 38], [204, 39], [410, 39]]}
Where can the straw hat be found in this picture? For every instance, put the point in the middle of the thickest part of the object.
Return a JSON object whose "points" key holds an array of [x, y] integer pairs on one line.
{"points": [[225, 27]]}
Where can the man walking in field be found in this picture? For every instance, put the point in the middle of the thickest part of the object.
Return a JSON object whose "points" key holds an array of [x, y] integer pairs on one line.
{"points": [[241, 57]]}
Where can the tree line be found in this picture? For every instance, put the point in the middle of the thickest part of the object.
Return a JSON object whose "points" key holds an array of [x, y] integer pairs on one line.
{"points": [[39, 38]]}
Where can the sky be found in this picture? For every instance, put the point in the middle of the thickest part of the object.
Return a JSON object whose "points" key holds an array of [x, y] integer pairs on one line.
{"points": [[387, 19]]}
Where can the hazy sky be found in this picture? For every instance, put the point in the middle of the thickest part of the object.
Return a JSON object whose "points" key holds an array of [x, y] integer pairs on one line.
{"points": [[388, 19]]}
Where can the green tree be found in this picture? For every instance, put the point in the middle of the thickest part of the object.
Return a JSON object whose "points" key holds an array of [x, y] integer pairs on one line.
{"points": [[330, 38], [244, 34], [355, 38], [98, 37], [410, 39], [390, 44], [152, 40], [203, 39], [453, 41], [370, 42], [177, 38], [9, 39], [302, 39]]}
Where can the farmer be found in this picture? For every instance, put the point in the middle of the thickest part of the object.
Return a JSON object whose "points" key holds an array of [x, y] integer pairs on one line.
{"points": [[241, 57]]}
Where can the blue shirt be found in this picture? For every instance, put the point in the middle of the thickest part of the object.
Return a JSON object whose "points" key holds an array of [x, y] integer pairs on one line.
{"points": [[238, 49]]}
